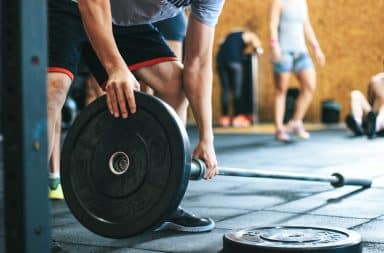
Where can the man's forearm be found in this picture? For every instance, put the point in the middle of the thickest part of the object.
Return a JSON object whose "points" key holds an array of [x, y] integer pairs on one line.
{"points": [[97, 20], [198, 88]]}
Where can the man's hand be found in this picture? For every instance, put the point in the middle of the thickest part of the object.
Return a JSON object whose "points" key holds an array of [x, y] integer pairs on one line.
{"points": [[119, 88], [206, 152]]}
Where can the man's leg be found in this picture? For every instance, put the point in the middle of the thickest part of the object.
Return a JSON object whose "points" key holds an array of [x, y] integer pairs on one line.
{"points": [[166, 80], [58, 86], [65, 35], [93, 90], [177, 47], [55, 191]]}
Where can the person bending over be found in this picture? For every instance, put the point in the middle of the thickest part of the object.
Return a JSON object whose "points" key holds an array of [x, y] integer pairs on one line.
{"points": [[367, 114], [120, 46], [230, 70]]}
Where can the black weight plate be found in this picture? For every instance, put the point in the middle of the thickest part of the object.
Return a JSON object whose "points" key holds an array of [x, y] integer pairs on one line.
{"points": [[157, 147], [292, 239]]}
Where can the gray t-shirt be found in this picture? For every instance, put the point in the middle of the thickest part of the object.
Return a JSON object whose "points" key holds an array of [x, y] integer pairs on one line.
{"points": [[135, 12], [291, 26]]}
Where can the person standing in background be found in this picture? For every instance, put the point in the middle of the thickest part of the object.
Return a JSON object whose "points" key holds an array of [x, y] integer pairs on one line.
{"points": [[289, 27]]}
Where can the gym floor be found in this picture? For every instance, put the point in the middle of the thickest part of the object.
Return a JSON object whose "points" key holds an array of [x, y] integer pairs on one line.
{"points": [[235, 202]]}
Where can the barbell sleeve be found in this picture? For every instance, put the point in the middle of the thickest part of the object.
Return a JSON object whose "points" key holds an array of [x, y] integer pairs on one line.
{"points": [[198, 169]]}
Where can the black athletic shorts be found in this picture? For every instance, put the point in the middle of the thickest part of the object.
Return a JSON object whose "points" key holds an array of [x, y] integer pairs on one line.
{"points": [[140, 45]]}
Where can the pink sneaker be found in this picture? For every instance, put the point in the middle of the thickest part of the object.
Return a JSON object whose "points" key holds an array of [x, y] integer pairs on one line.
{"points": [[241, 121], [298, 129], [282, 135], [225, 121]]}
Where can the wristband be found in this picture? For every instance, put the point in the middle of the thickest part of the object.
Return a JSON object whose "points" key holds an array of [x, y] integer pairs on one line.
{"points": [[315, 46]]}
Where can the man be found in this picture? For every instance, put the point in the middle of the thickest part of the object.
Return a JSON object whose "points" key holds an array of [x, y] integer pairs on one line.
{"points": [[86, 28], [367, 115]]}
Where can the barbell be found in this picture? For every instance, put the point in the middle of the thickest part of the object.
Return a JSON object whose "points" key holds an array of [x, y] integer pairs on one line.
{"points": [[121, 177]]}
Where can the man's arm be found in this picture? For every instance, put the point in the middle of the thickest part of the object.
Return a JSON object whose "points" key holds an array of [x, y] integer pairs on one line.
{"points": [[197, 77], [97, 20]]}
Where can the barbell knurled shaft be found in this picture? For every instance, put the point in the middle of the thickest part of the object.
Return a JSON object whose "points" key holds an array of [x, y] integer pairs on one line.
{"points": [[336, 179], [240, 172]]}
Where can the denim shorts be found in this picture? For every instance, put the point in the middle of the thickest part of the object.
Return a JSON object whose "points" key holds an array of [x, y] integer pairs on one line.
{"points": [[293, 62]]}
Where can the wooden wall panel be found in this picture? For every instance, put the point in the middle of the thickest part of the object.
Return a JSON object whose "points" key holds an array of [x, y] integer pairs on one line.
{"points": [[351, 33]]}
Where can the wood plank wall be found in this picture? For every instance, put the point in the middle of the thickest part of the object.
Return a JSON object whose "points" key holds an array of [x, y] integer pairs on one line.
{"points": [[351, 33]]}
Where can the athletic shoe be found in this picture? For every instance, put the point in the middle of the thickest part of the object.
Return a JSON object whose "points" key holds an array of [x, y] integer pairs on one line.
{"points": [[183, 221], [282, 136], [241, 121], [54, 190], [225, 121], [298, 130], [353, 125], [371, 124]]}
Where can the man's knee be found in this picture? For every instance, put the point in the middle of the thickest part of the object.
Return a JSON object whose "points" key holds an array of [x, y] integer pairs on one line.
{"points": [[58, 86], [172, 78]]}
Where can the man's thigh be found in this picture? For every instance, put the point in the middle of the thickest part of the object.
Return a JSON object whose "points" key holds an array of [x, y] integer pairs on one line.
{"points": [[142, 47], [164, 77]]}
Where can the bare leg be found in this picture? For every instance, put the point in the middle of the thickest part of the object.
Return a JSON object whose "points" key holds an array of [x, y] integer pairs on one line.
{"points": [[377, 87], [166, 79], [307, 80], [359, 106], [380, 118], [281, 85], [93, 90], [145, 88], [58, 86], [54, 161], [177, 48]]}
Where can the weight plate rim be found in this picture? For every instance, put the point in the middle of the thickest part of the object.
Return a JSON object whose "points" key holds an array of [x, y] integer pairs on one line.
{"points": [[97, 224], [354, 238]]}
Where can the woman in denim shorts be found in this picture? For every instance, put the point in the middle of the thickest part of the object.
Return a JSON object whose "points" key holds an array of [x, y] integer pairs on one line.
{"points": [[290, 26]]}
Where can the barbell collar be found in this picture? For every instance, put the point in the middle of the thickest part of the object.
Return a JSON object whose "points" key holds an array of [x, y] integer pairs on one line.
{"points": [[364, 182]]}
